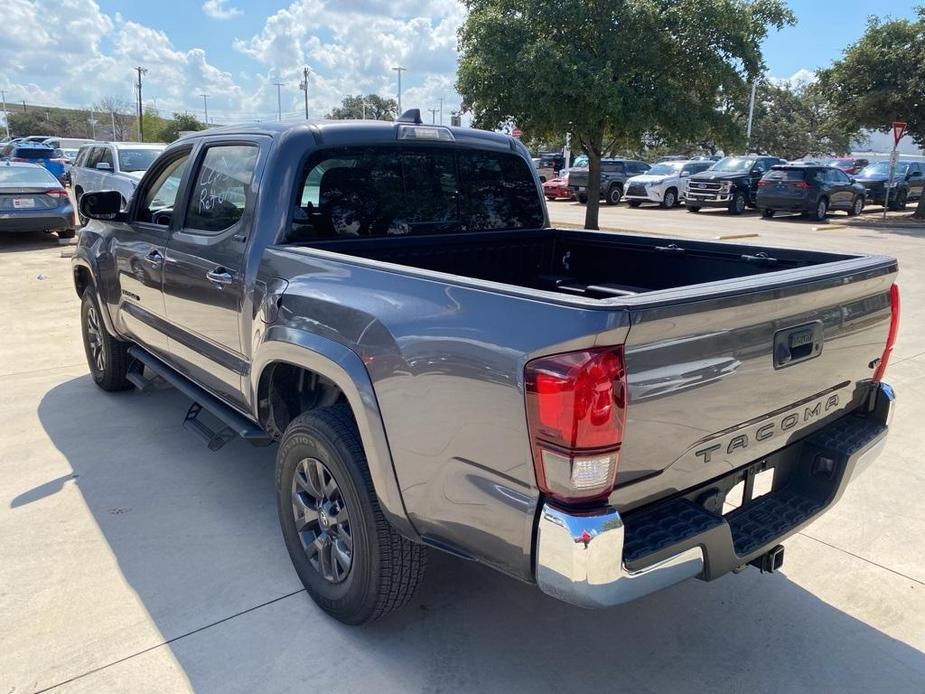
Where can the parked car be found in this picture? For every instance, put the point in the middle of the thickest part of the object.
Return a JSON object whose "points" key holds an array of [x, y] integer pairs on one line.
{"points": [[908, 182], [70, 156], [850, 165], [112, 166], [810, 189], [557, 188], [35, 153], [544, 170], [68, 142], [614, 174], [731, 183], [441, 369], [552, 160], [665, 183], [32, 199]]}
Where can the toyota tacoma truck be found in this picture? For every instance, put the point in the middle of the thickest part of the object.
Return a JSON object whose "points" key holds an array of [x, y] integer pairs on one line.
{"points": [[731, 183], [598, 414]]}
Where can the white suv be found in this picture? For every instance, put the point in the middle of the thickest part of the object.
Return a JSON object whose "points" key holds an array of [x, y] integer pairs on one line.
{"points": [[112, 166], [665, 183]]}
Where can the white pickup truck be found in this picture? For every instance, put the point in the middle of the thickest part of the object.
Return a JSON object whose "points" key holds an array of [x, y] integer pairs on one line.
{"points": [[665, 183]]}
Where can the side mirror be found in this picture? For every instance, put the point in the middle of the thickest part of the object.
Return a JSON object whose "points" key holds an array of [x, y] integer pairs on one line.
{"points": [[685, 174], [104, 166], [105, 204], [851, 180]]}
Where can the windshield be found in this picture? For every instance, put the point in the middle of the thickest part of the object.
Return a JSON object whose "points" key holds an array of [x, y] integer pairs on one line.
{"points": [[580, 160], [26, 176], [33, 152], [666, 168], [842, 162], [384, 191], [733, 164], [882, 168], [136, 159]]}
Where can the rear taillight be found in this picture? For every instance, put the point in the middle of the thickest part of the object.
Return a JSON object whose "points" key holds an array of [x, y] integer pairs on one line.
{"points": [[56, 193], [803, 185], [576, 412], [763, 184], [891, 336]]}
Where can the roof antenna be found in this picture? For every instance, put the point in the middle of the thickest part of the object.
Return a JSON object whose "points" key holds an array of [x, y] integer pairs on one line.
{"points": [[412, 115]]}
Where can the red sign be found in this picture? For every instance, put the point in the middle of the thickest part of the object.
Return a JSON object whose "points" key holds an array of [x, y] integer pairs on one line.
{"points": [[517, 132], [898, 129]]}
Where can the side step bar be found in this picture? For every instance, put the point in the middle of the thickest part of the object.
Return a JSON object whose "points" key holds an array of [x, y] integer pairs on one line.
{"points": [[240, 425]]}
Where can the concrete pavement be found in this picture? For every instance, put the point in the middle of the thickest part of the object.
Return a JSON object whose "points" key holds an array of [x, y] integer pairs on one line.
{"points": [[133, 559]]}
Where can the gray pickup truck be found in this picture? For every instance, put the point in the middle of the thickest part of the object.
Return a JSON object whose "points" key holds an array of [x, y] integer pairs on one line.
{"points": [[595, 413]]}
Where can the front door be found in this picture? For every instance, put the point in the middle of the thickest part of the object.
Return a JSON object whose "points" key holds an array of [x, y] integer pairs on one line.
{"points": [[204, 269], [139, 250]]}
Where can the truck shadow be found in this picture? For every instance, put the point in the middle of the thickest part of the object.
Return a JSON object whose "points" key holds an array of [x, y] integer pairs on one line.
{"points": [[11, 242], [196, 538]]}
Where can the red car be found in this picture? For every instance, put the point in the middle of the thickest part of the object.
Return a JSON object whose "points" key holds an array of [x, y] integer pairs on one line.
{"points": [[556, 188], [849, 165]]}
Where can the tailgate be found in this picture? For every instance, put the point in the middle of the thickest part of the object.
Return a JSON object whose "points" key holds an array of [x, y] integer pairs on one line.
{"points": [[715, 383], [578, 178]]}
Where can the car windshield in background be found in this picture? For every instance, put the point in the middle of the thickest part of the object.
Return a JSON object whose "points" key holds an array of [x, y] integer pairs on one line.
{"points": [[733, 164], [136, 159], [33, 152], [580, 161], [666, 168], [882, 168], [785, 175], [841, 162], [26, 176], [389, 191]]}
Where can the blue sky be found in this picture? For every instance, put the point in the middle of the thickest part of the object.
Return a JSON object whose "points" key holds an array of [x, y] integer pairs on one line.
{"points": [[74, 52]]}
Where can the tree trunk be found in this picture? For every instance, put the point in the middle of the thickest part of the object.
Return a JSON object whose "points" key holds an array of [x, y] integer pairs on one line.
{"points": [[920, 208], [594, 189]]}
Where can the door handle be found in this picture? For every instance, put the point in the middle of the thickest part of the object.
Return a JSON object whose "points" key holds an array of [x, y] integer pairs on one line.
{"points": [[219, 276], [154, 258]]}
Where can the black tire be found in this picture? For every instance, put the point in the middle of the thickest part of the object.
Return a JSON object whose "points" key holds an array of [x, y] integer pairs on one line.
{"points": [[767, 213], [857, 206], [670, 198], [634, 203], [738, 203], [902, 199], [107, 357], [551, 198], [66, 233], [582, 199], [614, 193], [692, 208], [821, 211], [384, 569]]}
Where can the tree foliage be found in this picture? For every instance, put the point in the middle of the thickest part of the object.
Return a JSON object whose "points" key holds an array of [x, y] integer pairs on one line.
{"points": [[181, 122], [377, 108], [881, 79], [611, 71]]}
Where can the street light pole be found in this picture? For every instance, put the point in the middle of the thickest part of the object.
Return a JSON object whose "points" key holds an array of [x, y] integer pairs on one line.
{"points": [[440, 99], [141, 123], [205, 106], [304, 87], [751, 112], [112, 114], [6, 116], [399, 70], [279, 101], [433, 115]]}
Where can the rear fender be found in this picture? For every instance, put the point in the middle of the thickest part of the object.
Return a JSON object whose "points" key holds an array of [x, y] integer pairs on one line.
{"points": [[343, 367]]}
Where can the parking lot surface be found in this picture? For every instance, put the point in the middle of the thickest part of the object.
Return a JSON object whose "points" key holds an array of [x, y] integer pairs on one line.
{"points": [[133, 559]]}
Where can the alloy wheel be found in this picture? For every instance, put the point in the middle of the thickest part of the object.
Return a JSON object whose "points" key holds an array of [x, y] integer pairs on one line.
{"points": [[95, 338], [858, 206], [821, 209], [322, 520], [669, 199]]}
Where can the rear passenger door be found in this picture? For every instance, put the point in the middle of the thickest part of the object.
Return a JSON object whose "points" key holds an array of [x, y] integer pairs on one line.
{"points": [[916, 177], [842, 194], [204, 271]]}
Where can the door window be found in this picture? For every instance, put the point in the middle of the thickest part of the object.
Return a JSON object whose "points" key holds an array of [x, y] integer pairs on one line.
{"points": [[840, 176], [93, 157], [612, 166], [160, 193], [220, 191], [105, 156]]}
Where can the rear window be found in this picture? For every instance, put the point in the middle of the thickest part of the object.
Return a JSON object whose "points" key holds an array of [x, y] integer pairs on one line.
{"points": [[26, 176], [33, 152], [785, 174], [397, 191], [136, 159]]}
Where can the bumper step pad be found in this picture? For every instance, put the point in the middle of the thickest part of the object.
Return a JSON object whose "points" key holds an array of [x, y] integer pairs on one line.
{"points": [[769, 517], [664, 526]]}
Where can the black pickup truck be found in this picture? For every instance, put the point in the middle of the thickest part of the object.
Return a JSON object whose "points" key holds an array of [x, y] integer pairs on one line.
{"points": [[387, 303], [731, 183]]}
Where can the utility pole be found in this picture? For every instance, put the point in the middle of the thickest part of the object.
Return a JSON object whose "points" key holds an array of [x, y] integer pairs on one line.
{"points": [[440, 99], [279, 101], [751, 112], [6, 116], [399, 70], [205, 106], [364, 108], [92, 121], [112, 114], [433, 115], [303, 85], [141, 124]]}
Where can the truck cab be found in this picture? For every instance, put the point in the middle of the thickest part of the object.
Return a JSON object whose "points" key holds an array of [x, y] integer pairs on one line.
{"points": [[731, 182]]}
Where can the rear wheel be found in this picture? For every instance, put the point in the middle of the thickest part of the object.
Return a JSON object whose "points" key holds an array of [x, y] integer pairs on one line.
{"points": [[738, 203], [107, 357], [66, 233], [582, 199], [693, 208], [822, 209], [353, 564], [857, 206], [614, 193], [670, 199], [767, 213]]}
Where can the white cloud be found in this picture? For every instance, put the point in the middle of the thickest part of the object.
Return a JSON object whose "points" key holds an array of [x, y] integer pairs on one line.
{"points": [[797, 80], [218, 9]]}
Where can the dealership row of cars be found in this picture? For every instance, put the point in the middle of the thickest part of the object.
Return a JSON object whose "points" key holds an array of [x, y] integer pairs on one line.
{"points": [[770, 184]]}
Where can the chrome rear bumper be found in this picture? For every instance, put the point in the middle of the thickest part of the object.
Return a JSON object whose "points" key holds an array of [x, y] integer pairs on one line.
{"points": [[579, 554]]}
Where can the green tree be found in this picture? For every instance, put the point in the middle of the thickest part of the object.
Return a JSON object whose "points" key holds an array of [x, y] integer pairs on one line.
{"points": [[611, 71], [879, 80], [181, 122], [153, 125], [377, 108]]}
